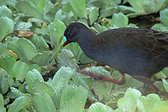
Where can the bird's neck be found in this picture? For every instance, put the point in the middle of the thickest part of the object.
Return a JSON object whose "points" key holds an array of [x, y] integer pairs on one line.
{"points": [[86, 35], [87, 41]]}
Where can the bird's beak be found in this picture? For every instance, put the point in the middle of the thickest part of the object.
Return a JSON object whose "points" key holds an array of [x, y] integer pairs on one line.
{"points": [[66, 43]]}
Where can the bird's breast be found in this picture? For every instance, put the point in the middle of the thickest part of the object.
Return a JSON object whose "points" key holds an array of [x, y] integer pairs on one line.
{"points": [[122, 58]]}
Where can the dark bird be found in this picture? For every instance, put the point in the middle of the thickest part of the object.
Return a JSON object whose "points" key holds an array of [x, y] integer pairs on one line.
{"points": [[138, 52]]}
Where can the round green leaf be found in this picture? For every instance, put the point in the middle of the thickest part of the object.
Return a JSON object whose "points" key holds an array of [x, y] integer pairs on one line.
{"points": [[56, 30], [66, 58], [164, 16], [62, 77], [29, 8], [20, 70], [79, 8], [2, 108], [7, 64], [24, 48], [5, 11], [99, 107], [42, 58], [73, 99], [93, 13], [8, 26], [43, 103], [119, 20], [32, 76], [20, 103]]}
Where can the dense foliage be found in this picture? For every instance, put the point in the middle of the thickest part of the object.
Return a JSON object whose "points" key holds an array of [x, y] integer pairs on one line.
{"points": [[38, 75]]}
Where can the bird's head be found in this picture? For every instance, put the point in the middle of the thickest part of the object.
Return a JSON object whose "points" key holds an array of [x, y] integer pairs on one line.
{"points": [[71, 33]]}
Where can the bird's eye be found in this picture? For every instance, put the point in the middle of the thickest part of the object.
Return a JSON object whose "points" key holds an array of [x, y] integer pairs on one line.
{"points": [[68, 32]]}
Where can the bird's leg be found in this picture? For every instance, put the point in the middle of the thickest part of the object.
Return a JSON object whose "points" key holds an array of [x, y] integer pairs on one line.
{"points": [[97, 76], [148, 84], [151, 86]]}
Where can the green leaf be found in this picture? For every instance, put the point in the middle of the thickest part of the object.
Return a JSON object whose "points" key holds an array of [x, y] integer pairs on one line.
{"points": [[160, 107], [43, 103], [99, 28], [2, 108], [62, 77], [20, 103], [152, 6], [43, 87], [102, 90], [35, 66], [56, 30], [66, 17], [5, 82], [133, 93], [143, 7], [8, 2], [23, 26], [1, 101], [3, 49], [138, 6], [119, 20], [125, 9], [79, 8], [66, 58], [24, 48], [93, 13], [15, 92], [42, 30], [27, 47], [7, 64], [40, 43], [129, 101], [110, 3], [8, 26], [32, 76], [73, 99], [108, 11], [29, 8], [47, 88], [40, 5], [20, 70], [99, 107], [165, 85], [132, 25], [165, 71], [5, 11], [164, 16], [160, 27], [42, 58], [51, 11], [149, 101]]}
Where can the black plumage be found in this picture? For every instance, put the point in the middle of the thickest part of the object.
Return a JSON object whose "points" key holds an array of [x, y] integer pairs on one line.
{"points": [[138, 52]]}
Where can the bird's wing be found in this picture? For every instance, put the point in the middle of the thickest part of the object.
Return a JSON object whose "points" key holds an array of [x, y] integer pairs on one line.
{"points": [[146, 39]]}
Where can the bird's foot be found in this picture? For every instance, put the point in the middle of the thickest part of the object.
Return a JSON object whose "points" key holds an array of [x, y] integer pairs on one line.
{"points": [[150, 88]]}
